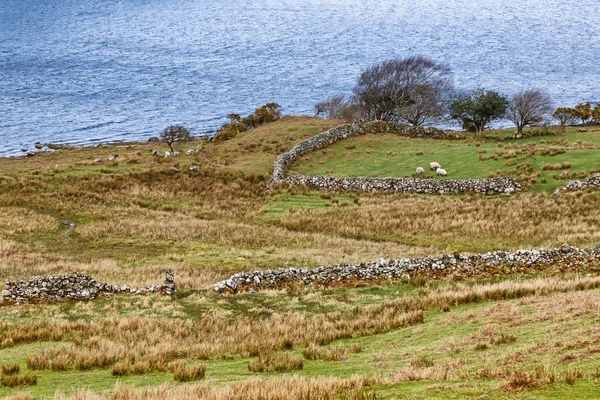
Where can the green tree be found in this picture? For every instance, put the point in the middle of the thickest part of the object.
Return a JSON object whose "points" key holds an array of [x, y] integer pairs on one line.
{"points": [[477, 108], [175, 133], [583, 111]]}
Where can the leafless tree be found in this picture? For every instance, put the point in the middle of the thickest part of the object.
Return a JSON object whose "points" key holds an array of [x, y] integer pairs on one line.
{"points": [[333, 107], [413, 89], [528, 107]]}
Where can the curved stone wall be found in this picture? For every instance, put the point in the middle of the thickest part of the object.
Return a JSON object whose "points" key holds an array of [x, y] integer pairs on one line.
{"points": [[398, 185], [444, 266], [346, 131], [77, 286]]}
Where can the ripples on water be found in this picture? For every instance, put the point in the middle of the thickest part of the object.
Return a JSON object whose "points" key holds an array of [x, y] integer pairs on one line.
{"points": [[82, 71]]}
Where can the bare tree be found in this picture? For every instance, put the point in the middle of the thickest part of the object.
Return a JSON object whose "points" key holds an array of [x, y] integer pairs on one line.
{"points": [[413, 89], [332, 108], [528, 107], [175, 133]]}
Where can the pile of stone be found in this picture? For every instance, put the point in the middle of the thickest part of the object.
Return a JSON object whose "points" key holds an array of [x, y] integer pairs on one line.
{"points": [[349, 130], [77, 287], [455, 266], [592, 182], [489, 186]]}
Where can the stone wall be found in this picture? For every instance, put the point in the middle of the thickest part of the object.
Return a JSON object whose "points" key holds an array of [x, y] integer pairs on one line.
{"points": [[346, 131], [455, 266], [408, 185], [78, 286], [592, 182], [398, 185]]}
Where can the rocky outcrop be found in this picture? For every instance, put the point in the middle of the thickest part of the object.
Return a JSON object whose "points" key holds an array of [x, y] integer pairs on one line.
{"points": [[592, 182], [454, 266], [407, 185], [346, 131], [78, 286], [397, 185]]}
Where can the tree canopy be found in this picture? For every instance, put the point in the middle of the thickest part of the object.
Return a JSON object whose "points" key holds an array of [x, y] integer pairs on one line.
{"points": [[413, 89], [477, 108], [174, 133]]}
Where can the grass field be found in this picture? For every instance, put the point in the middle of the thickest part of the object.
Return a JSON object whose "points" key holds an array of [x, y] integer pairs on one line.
{"points": [[543, 162], [126, 221]]}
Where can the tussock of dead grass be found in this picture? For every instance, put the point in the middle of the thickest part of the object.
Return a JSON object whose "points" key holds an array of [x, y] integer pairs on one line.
{"points": [[14, 380], [182, 372], [270, 362], [336, 352]]}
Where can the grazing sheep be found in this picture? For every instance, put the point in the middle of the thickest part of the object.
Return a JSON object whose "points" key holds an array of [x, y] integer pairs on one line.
{"points": [[434, 165], [420, 171], [441, 172]]}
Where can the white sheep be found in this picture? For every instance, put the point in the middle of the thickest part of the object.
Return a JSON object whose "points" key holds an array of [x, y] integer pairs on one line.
{"points": [[420, 171], [434, 165], [441, 172]]}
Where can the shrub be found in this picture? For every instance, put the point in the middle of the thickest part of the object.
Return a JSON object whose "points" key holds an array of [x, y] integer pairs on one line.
{"points": [[584, 112], [269, 112]]}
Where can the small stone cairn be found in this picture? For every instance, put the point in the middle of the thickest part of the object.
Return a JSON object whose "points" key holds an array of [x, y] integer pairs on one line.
{"points": [[75, 287]]}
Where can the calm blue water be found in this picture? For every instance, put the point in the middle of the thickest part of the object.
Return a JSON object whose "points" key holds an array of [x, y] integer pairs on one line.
{"points": [[82, 71]]}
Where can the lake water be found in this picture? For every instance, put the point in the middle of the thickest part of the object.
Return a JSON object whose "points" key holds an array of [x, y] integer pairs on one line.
{"points": [[83, 71]]}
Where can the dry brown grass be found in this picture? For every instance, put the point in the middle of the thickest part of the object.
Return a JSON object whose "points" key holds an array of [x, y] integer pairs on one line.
{"points": [[284, 388], [466, 222], [465, 293], [14, 380], [107, 341], [336, 352], [182, 372], [270, 362]]}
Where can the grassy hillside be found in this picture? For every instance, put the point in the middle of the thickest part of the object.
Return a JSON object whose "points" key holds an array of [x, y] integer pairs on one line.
{"points": [[544, 162], [125, 221]]}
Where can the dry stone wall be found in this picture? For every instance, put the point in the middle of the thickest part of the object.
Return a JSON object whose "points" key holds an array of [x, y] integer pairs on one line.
{"points": [[399, 185], [78, 286], [592, 182], [408, 185], [454, 266]]}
